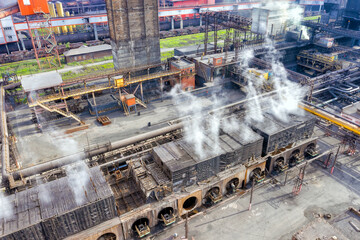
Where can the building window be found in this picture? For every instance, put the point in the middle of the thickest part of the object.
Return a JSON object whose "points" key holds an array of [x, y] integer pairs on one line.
{"points": [[26, 2]]}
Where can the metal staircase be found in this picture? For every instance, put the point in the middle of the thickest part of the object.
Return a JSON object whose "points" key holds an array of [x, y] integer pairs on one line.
{"points": [[61, 112]]}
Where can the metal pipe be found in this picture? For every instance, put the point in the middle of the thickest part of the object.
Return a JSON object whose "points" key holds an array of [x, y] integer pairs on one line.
{"points": [[4, 131], [124, 159], [82, 155]]}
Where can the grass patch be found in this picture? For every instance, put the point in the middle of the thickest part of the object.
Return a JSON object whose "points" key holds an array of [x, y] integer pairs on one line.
{"points": [[101, 68], [166, 55], [312, 18], [26, 67], [90, 61], [193, 39]]}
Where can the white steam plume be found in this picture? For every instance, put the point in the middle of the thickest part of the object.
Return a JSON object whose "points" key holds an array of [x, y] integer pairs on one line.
{"points": [[253, 88], [44, 194], [200, 127], [6, 207], [292, 14], [78, 180], [289, 94]]}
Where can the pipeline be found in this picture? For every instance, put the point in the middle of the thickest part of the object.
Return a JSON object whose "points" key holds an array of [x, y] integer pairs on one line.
{"points": [[95, 151], [336, 119], [8, 8], [4, 131]]}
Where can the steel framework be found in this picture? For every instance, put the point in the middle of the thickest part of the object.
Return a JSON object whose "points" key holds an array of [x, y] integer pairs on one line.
{"points": [[233, 24], [44, 42]]}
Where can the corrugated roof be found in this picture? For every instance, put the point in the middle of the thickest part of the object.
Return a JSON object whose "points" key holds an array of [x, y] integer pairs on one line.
{"points": [[30, 207], [41, 81], [85, 50]]}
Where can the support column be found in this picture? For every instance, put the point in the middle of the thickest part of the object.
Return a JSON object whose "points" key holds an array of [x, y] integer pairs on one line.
{"points": [[37, 38], [200, 20], [172, 23], [181, 23], [161, 88], [93, 95], [22, 41], [7, 49], [66, 106], [95, 32], [215, 34], [141, 91]]}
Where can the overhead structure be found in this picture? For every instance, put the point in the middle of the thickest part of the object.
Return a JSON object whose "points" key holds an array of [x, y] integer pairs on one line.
{"points": [[43, 41], [134, 32], [330, 29], [228, 21]]}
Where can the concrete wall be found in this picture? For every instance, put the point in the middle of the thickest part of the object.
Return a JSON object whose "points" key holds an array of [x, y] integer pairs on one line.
{"points": [[134, 32], [112, 226], [288, 153]]}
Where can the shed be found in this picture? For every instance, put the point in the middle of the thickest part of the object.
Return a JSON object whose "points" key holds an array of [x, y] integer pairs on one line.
{"points": [[85, 53]]}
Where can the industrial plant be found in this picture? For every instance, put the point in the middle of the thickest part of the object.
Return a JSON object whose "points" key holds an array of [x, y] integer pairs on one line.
{"points": [[180, 119]]}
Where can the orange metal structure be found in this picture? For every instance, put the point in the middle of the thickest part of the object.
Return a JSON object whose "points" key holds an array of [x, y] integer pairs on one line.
{"points": [[31, 7], [130, 100], [187, 70], [217, 61]]}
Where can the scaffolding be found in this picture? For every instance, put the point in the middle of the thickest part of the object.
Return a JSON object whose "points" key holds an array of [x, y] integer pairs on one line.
{"points": [[234, 25], [44, 42]]}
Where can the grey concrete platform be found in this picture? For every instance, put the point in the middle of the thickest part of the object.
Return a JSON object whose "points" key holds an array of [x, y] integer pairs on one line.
{"points": [[37, 147]]}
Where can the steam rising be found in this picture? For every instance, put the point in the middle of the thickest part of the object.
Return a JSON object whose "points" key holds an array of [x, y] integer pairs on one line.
{"points": [[199, 130], [289, 94], [6, 208], [44, 194], [78, 179], [292, 14], [253, 88]]}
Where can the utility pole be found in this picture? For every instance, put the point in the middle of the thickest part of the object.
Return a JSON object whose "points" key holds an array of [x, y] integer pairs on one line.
{"points": [[251, 192], [336, 156], [187, 226], [299, 181]]}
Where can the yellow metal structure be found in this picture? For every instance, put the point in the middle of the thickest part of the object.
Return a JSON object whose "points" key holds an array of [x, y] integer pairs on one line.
{"points": [[101, 87], [70, 27], [61, 112], [53, 15], [168, 218], [317, 61], [119, 82], [331, 118], [142, 230], [259, 73], [60, 12]]}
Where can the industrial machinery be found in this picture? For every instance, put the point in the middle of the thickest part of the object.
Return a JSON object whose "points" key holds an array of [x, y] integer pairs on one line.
{"points": [[321, 63]]}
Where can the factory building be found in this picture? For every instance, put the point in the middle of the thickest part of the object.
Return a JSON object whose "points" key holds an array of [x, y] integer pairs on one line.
{"points": [[141, 149], [87, 53]]}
